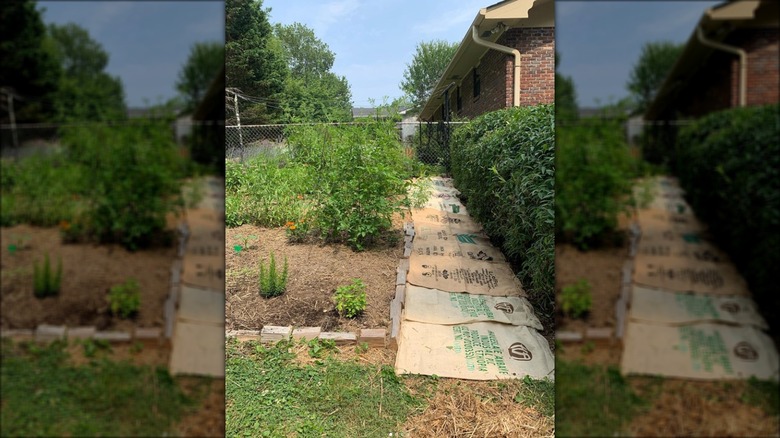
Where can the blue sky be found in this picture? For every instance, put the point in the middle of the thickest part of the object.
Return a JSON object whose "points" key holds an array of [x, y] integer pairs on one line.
{"points": [[147, 42], [375, 39], [600, 41]]}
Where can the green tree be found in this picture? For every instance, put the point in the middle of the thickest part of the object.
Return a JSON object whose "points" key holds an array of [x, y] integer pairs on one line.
{"points": [[312, 92], [429, 62], [648, 74], [565, 95], [254, 62], [204, 62], [306, 55], [86, 91], [29, 67]]}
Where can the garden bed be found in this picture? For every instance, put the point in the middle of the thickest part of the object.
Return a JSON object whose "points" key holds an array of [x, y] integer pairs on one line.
{"points": [[315, 271], [89, 271]]}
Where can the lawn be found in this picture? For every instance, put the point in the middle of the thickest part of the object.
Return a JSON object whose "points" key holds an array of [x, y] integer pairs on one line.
{"points": [[313, 388], [121, 391]]}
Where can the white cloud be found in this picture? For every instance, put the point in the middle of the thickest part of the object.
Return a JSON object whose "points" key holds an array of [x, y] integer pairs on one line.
{"points": [[454, 18], [334, 11]]}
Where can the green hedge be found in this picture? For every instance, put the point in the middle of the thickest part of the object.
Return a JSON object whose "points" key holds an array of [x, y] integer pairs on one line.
{"points": [[594, 171], [729, 164], [503, 164]]}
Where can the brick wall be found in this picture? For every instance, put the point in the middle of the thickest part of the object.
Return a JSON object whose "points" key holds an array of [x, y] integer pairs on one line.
{"points": [[763, 53], [537, 64], [495, 69], [716, 85]]}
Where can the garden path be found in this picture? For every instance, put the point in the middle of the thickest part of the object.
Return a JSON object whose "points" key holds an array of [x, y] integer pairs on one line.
{"points": [[464, 313], [690, 313], [195, 309]]}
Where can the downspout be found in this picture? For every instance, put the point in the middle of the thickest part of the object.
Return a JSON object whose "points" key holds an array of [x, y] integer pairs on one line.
{"points": [[505, 49], [742, 62]]}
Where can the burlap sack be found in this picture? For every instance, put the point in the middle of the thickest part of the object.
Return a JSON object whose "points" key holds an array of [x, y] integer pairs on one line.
{"points": [[653, 306], [464, 275], [438, 307], [699, 351], [477, 351]]}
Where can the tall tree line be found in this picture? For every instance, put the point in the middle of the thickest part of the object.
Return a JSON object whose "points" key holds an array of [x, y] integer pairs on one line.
{"points": [[284, 71]]}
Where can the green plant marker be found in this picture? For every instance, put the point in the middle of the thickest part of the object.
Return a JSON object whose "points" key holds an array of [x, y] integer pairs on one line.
{"points": [[238, 248]]}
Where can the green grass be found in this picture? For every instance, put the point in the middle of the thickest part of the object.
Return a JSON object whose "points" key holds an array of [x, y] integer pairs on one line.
{"points": [[592, 400], [538, 394], [268, 394], [764, 394], [43, 395]]}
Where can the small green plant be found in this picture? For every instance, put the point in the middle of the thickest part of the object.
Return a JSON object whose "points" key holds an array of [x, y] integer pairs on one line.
{"points": [[125, 299], [137, 347], [588, 347], [46, 283], [351, 299], [297, 232], [18, 243], [245, 240], [319, 346], [361, 348], [272, 283], [576, 299], [92, 346]]}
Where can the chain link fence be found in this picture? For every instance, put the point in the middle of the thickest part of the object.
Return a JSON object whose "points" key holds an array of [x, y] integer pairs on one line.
{"points": [[427, 142]]}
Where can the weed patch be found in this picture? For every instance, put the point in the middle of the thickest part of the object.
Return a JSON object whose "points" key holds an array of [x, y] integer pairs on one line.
{"points": [[268, 394], [592, 400], [110, 398]]}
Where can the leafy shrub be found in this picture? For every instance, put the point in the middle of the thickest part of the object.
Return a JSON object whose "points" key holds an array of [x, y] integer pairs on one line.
{"points": [[729, 165], [359, 174], [576, 299], [41, 190], [272, 283], [593, 174], [45, 282], [351, 299], [130, 177], [125, 299], [266, 190], [503, 164]]}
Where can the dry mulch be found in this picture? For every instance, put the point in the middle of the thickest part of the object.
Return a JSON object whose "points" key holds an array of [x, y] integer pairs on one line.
{"points": [[314, 273], [89, 271]]}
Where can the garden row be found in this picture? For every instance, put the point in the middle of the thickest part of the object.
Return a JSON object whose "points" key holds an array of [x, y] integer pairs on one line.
{"points": [[105, 184], [334, 183]]}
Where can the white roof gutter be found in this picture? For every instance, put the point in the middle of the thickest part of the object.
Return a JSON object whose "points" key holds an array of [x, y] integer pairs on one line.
{"points": [[742, 62], [505, 49]]}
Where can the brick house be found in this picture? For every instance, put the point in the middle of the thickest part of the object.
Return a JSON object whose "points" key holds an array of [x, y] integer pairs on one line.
{"points": [[506, 58], [729, 38]]}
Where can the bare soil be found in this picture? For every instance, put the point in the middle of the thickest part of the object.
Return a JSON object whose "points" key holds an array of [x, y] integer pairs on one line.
{"points": [[314, 272], [88, 273], [602, 269]]}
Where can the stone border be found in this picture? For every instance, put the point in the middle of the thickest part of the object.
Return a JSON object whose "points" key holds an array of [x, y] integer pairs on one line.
{"points": [[621, 305], [47, 333], [376, 338]]}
